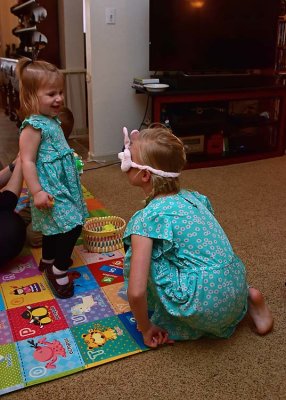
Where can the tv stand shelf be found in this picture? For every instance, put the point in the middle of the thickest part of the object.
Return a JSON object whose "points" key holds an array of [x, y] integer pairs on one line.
{"points": [[225, 126]]}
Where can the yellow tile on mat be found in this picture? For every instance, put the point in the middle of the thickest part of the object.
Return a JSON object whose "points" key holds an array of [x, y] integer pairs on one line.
{"points": [[26, 291], [37, 253]]}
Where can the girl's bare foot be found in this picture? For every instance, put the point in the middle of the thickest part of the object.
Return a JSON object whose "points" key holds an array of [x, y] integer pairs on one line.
{"points": [[259, 312]]}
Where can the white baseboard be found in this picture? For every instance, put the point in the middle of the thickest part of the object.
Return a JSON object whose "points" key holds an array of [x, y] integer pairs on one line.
{"points": [[109, 158]]}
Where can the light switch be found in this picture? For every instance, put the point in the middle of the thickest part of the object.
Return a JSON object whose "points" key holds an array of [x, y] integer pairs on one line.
{"points": [[110, 16]]}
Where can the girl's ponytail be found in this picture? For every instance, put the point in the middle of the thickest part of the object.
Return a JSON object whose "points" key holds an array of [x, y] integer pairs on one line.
{"points": [[21, 65]]}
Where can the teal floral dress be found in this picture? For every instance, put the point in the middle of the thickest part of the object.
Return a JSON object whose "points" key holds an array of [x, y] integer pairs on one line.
{"points": [[59, 177], [197, 285]]}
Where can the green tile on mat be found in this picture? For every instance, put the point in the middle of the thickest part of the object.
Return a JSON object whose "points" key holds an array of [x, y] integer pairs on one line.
{"points": [[79, 241], [86, 193], [99, 213], [10, 369]]}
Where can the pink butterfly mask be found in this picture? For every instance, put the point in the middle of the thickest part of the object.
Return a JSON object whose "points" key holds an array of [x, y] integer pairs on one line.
{"points": [[127, 163]]}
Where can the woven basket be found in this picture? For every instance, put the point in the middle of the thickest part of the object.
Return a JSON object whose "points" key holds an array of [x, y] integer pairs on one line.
{"points": [[95, 240]]}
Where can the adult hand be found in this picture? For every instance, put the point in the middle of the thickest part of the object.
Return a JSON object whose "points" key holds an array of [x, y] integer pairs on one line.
{"points": [[155, 336]]}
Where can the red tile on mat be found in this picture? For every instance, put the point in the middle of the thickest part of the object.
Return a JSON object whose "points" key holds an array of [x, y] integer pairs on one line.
{"points": [[36, 319], [107, 272], [93, 204]]}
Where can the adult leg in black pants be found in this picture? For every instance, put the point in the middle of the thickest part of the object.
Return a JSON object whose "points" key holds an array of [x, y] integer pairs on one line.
{"points": [[12, 227]]}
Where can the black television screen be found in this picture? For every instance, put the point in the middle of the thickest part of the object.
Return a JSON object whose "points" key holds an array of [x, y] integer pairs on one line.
{"points": [[213, 36]]}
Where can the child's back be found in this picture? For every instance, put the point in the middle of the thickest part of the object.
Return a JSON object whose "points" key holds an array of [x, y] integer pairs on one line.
{"points": [[193, 271], [179, 261]]}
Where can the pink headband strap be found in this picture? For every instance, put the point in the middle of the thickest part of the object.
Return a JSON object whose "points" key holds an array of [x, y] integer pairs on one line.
{"points": [[127, 163]]}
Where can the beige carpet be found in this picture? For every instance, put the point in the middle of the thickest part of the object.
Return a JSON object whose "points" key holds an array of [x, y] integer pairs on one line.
{"points": [[250, 202]]}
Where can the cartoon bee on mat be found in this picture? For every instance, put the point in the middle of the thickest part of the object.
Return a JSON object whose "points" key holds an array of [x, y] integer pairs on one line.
{"points": [[98, 336], [39, 316]]}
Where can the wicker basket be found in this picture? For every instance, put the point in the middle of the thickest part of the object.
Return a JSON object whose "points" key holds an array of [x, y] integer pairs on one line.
{"points": [[95, 240]]}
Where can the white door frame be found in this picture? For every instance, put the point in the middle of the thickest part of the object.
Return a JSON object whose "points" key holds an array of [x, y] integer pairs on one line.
{"points": [[88, 53]]}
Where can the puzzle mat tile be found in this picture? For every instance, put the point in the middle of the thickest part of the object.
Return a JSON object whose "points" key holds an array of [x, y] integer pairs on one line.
{"points": [[44, 338], [104, 341]]}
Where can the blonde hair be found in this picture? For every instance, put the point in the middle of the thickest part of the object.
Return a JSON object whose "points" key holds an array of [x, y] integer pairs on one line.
{"points": [[32, 76], [159, 148]]}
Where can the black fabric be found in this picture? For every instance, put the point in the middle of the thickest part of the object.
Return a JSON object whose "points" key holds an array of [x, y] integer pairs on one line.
{"points": [[59, 247], [12, 228], [8, 200], [12, 235]]}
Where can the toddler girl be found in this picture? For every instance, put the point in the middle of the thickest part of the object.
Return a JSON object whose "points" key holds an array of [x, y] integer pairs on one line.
{"points": [[57, 204], [179, 262]]}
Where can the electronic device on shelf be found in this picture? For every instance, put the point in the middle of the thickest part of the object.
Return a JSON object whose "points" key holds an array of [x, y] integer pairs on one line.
{"points": [[156, 87], [213, 37], [193, 144]]}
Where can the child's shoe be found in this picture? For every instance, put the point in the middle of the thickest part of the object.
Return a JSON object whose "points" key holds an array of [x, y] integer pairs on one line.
{"points": [[44, 265], [61, 291]]}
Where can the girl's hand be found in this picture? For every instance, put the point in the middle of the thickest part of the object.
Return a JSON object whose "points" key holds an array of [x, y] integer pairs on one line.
{"points": [[43, 200], [155, 336]]}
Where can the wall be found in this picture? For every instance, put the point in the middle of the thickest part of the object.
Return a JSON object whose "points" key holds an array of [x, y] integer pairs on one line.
{"points": [[72, 55], [8, 22], [115, 54], [71, 33]]}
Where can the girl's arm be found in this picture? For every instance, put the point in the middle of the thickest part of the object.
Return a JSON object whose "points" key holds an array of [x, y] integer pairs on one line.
{"points": [[137, 285], [137, 291], [30, 140]]}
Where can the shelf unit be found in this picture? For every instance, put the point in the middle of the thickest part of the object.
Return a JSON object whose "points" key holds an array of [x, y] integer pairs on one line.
{"points": [[228, 126], [281, 46], [38, 21], [23, 8], [9, 88], [30, 13], [281, 41]]}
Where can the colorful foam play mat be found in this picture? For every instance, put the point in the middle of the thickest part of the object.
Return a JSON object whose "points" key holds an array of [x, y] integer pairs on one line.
{"points": [[42, 337]]}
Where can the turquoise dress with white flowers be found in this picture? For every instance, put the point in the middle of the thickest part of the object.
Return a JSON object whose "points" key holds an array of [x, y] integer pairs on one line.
{"points": [[197, 285], [59, 177]]}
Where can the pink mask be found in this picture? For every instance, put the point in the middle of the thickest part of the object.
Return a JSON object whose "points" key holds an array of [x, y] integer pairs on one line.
{"points": [[127, 163]]}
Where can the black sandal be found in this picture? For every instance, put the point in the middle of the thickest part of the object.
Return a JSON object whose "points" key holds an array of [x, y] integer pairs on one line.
{"points": [[44, 265], [61, 291]]}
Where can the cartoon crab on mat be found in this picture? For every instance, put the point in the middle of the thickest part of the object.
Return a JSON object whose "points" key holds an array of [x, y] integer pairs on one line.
{"points": [[48, 352]]}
